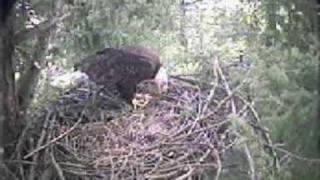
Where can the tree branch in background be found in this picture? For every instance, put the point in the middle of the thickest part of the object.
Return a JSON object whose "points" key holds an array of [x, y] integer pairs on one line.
{"points": [[294, 155], [40, 29], [29, 78], [43, 32]]}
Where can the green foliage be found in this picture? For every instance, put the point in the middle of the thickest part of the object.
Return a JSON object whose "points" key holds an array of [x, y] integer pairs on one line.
{"points": [[99, 24], [278, 78], [286, 72]]}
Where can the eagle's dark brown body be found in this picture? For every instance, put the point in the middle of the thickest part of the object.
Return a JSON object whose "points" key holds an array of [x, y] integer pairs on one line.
{"points": [[145, 52], [123, 68]]}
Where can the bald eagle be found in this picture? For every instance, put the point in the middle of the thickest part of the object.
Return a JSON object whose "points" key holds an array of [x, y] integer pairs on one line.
{"points": [[121, 68]]}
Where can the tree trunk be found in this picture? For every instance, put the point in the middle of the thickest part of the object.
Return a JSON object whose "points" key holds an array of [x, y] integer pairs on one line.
{"points": [[9, 124], [318, 34]]}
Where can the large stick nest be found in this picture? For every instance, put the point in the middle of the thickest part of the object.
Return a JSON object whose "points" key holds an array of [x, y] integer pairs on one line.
{"points": [[89, 134]]}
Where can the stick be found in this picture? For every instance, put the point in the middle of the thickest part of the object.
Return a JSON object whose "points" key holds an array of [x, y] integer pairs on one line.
{"points": [[55, 139], [250, 162], [57, 167]]}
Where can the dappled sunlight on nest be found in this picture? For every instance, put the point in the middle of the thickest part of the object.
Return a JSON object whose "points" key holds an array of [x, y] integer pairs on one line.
{"points": [[182, 134]]}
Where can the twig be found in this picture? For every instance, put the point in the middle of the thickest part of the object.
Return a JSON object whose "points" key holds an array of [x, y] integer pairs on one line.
{"points": [[157, 165], [191, 81], [254, 112], [40, 141], [188, 174], [124, 163], [50, 127], [55, 139], [219, 164], [113, 166], [214, 86], [234, 111], [250, 162], [162, 176], [203, 109], [7, 171], [226, 85], [263, 132], [19, 148], [293, 155], [57, 167]]}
